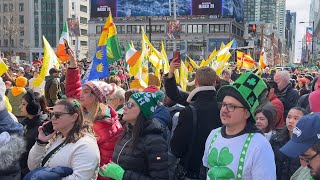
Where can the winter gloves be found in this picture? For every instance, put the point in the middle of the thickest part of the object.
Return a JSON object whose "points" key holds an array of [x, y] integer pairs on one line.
{"points": [[113, 171]]}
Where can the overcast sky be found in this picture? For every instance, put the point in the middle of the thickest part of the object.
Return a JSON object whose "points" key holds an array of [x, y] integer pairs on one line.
{"points": [[302, 9]]}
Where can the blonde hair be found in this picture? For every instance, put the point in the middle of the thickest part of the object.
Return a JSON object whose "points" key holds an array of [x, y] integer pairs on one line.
{"points": [[96, 111]]}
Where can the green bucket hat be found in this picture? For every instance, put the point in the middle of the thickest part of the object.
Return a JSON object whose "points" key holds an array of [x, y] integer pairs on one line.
{"points": [[247, 89]]}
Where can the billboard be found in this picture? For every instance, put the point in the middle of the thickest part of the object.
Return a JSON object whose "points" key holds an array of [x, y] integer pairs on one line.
{"points": [[233, 8], [101, 8], [174, 30], [133, 8], [73, 26], [206, 7], [215, 43]]}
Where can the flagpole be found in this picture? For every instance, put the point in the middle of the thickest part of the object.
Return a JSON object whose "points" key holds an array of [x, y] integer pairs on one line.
{"points": [[174, 18]]}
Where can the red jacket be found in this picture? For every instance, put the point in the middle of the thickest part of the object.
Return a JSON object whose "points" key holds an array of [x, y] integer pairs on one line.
{"points": [[107, 130], [280, 120]]}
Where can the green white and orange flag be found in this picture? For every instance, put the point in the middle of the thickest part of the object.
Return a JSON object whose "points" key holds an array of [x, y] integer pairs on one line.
{"points": [[113, 46], [61, 52], [50, 60], [132, 55]]}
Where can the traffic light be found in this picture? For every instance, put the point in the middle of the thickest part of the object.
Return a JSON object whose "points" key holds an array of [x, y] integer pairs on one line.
{"points": [[252, 28]]}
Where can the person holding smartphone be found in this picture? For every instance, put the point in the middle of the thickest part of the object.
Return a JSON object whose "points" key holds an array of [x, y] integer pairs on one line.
{"points": [[34, 117], [71, 145], [93, 96]]}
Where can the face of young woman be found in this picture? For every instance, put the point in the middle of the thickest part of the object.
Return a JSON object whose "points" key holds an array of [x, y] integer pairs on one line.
{"points": [[87, 98], [131, 111], [23, 107], [261, 121], [293, 117]]}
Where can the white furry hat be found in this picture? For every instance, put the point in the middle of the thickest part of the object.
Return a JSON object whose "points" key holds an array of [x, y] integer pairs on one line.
{"points": [[2, 94]]}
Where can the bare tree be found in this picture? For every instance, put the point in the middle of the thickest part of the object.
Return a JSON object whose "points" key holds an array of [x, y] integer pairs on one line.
{"points": [[10, 27]]}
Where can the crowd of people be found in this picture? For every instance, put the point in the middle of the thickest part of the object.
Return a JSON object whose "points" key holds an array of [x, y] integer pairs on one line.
{"points": [[239, 125]]}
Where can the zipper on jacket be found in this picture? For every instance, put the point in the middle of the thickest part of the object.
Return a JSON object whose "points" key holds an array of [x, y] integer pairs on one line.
{"points": [[122, 149]]}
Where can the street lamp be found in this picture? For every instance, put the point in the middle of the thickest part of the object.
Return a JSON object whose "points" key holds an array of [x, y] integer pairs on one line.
{"points": [[312, 38]]}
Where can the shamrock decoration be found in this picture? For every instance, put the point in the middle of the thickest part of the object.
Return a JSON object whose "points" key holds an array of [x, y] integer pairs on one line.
{"points": [[252, 81], [219, 162], [251, 100]]}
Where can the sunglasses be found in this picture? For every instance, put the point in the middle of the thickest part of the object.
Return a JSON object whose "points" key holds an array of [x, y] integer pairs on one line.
{"points": [[57, 115], [129, 105]]}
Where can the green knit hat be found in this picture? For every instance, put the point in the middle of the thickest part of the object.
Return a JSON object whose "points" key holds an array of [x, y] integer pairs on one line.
{"points": [[247, 89], [148, 102]]}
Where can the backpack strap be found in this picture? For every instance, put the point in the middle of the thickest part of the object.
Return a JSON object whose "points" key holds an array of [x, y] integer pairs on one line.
{"points": [[194, 129]]}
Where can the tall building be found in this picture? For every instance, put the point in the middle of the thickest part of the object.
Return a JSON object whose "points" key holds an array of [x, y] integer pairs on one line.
{"points": [[252, 10], [281, 17], [290, 31], [266, 11], [314, 16], [269, 13], [24, 22]]}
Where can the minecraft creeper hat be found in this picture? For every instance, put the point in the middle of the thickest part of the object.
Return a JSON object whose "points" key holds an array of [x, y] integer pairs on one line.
{"points": [[247, 89]]}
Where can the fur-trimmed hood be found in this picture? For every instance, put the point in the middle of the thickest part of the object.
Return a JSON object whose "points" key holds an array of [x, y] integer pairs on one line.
{"points": [[11, 149], [190, 98]]}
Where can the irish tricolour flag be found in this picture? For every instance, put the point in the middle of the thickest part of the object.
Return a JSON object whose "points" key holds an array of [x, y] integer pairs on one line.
{"points": [[132, 55], [61, 52]]}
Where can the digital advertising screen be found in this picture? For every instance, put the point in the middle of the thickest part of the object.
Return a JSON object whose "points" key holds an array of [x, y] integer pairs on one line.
{"points": [[101, 8], [134, 8], [206, 7], [233, 8]]}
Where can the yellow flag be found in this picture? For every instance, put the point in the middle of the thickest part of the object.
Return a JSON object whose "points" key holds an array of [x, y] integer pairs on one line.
{"points": [[223, 52], [3, 67], [183, 76], [8, 105], [210, 58], [177, 75], [202, 62], [193, 64], [166, 66], [219, 66], [50, 60]]}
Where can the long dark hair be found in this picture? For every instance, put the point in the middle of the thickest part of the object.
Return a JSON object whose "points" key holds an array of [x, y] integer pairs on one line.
{"points": [[81, 126], [43, 102], [138, 127]]}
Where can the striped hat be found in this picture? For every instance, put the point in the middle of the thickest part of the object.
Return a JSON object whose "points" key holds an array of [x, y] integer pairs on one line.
{"points": [[101, 89]]}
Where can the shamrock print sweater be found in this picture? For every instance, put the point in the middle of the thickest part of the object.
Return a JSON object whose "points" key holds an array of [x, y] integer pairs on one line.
{"points": [[222, 160]]}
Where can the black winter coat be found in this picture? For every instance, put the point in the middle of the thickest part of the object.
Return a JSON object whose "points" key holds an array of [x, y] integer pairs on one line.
{"points": [[286, 166], [289, 98], [208, 118], [149, 157], [30, 134]]}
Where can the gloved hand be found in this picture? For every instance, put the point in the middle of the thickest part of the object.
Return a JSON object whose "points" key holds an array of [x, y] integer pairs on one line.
{"points": [[113, 171]]}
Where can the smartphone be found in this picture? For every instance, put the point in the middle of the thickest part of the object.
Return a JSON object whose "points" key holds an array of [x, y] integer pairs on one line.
{"points": [[66, 45], [176, 56], [48, 128]]}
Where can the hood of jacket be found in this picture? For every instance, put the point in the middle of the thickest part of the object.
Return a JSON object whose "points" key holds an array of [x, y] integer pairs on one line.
{"points": [[10, 149], [8, 124], [153, 127], [192, 96], [163, 115], [49, 78]]}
